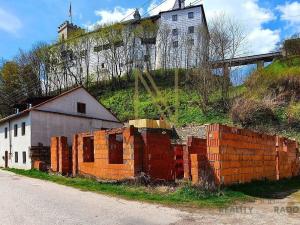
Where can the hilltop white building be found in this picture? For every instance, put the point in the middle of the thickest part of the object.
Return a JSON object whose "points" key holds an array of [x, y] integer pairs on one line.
{"points": [[72, 112], [177, 43]]}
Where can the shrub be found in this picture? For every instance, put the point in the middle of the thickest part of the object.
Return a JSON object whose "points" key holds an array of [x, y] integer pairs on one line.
{"points": [[248, 112], [292, 47], [293, 112]]}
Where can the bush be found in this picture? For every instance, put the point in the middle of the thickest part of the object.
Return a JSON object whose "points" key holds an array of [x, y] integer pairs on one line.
{"points": [[248, 112], [292, 47], [293, 112]]}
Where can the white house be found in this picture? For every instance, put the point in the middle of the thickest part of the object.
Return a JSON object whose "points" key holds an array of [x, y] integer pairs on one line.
{"points": [[64, 115]]}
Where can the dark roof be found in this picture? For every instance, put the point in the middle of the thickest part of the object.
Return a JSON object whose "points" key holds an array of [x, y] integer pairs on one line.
{"points": [[26, 111]]}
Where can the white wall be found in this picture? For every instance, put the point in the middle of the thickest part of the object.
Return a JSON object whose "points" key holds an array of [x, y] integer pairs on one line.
{"points": [[68, 104], [182, 54], [47, 125], [19, 143]]}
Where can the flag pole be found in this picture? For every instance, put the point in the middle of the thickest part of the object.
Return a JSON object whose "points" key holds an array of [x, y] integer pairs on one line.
{"points": [[70, 12]]}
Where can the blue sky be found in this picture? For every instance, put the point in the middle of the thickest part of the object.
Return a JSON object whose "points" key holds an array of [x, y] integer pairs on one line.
{"points": [[25, 22]]}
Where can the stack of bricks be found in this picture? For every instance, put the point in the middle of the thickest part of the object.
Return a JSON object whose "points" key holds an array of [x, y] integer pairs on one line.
{"points": [[194, 146], [178, 151], [239, 155]]}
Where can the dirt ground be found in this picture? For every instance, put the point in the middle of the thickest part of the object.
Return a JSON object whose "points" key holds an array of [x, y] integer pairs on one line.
{"points": [[262, 211]]}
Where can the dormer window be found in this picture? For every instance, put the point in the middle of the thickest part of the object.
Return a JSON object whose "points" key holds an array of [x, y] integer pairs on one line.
{"points": [[191, 15], [81, 107]]}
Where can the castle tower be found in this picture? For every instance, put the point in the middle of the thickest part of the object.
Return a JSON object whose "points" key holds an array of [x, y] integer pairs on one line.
{"points": [[66, 29], [179, 4], [137, 15]]}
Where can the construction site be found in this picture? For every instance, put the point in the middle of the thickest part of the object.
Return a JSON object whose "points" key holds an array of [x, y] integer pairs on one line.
{"points": [[214, 155]]}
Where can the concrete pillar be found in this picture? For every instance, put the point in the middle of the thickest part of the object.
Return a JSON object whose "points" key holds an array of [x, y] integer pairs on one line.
{"points": [[260, 64]]}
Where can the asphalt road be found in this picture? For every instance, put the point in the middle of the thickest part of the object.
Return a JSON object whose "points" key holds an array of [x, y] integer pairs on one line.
{"points": [[26, 201]]}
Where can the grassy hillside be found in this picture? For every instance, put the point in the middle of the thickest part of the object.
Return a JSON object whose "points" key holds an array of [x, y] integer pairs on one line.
{"points": [[267, 102]]}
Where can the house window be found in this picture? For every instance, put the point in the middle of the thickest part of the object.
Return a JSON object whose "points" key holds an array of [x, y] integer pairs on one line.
{"points": [[191, 30], [24, 157], [16, 130], [146, 58], [175, 32], [102, 65], [23, 128], [174, 18], [191, 15], [5, 132], [175, 44], [81, 107], [16, 157]]}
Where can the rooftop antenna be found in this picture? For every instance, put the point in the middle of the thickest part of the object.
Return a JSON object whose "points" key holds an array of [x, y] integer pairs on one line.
{"points": [[70, 12]]}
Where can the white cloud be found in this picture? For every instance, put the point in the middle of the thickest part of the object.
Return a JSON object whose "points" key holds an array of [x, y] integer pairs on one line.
{"points": [[290, 12], [111, 16], [9, 22], [252, 17]]}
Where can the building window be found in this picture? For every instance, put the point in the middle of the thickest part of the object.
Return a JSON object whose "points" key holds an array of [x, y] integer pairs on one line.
{"points": [[191, 42], [16, 157], [81, 107], [5, 132], [24, 157], [174, 18], [23, 128], [146, 58], [175, 44], [102, 65], [191, 30], [191, 15], [175, 32], [16, 130]]}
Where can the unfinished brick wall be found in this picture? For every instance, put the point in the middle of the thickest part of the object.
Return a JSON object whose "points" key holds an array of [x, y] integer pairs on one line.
{"points": [[158, 155], [239, 155], [179, 168], [60, 155], [287, 158], [100, 167], [54, 154], [194, 146]]}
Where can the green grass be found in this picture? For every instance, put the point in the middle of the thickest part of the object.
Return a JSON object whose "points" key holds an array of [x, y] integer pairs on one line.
{"points": [[186, 195], [269, 189]]}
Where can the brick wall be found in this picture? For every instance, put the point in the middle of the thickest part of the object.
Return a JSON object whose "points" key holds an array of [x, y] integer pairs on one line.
{"points": [[54, 154], [60, 155], [287, 158], [178, 164], [100, 167], [240, 155], [194, 146], [158, 155]]}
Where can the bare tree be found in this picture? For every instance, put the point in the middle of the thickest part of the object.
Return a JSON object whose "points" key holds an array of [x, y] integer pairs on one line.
{"points": [[214, 51]]}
